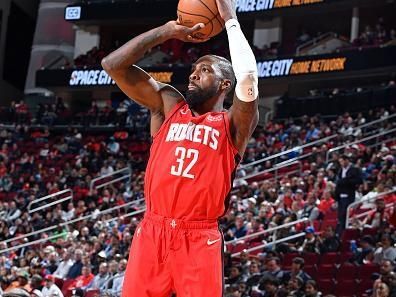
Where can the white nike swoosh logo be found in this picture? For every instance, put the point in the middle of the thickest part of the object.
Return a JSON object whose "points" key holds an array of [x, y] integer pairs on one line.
{"points": [[210, 242]]}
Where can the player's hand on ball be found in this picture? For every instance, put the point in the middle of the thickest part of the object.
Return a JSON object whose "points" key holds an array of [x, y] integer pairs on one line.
{"points": [[184, 33], [227, 9]]}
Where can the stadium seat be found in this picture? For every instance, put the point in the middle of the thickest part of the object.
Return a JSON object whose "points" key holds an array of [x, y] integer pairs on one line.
{"points": [[347, 271], [329, 259], [288, 258], [325, 272], [326, 286], [311, 258], [239, 247], [370, 231], [345, 257], [311, 270], [346, 288], [366, 271], [350, 234]]}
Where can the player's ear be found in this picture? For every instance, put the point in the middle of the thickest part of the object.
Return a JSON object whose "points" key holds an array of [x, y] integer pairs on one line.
{"points": [[225, 84]]}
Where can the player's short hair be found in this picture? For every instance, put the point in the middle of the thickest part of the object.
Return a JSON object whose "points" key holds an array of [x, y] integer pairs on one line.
{"points": [[227, 72]]}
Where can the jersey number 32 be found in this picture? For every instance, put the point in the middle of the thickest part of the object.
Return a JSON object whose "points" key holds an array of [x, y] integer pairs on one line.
{"points": [[186, 158]]}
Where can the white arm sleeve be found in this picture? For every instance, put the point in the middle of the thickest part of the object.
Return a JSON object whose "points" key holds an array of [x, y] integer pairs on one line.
{"points": [[243, 62]]}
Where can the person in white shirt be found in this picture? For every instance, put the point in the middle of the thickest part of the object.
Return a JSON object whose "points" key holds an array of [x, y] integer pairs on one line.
{"points": [[50, 289], [64, 266]]}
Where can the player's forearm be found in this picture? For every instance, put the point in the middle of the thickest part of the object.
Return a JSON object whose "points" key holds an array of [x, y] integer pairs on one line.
{"points": [[134, 50]]}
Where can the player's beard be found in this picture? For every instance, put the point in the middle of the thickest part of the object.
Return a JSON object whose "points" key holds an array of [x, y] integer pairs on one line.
{"points": [[197, 96]]}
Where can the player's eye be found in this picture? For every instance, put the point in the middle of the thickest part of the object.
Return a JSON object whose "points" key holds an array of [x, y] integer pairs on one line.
{"points": [[205, 69]]}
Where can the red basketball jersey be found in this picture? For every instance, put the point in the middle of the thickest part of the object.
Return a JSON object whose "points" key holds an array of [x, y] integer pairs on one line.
{"points": [[191, 166]]}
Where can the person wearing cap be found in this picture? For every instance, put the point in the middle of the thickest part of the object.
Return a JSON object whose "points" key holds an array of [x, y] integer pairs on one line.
{"points": [[309, 244], [348, 178], [50, 288]]}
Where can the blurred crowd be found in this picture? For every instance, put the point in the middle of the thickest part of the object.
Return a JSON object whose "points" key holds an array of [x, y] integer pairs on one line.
{"points": [[86, 256]]}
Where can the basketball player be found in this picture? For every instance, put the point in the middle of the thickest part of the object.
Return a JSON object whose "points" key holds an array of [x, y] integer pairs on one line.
{"points": [[195, 150]]}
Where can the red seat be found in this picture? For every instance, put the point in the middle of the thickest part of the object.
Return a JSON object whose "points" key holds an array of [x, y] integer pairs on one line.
{"points": [[367, 270], [329, 258], [326, 286], [317, 225], [288, 258], [255, 252], [370, 231], [346, 288], [345, 256], [311, 258], [330, 215], [311, 270], [239, 247], [332, 223], [363, 286], [347, 271], [325, 272], [350, 234]]}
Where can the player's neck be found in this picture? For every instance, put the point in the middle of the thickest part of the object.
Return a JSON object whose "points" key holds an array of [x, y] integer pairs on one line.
{"points": [[213, 105]]}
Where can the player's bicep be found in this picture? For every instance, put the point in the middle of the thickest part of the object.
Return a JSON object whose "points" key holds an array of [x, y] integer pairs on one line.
{"points": [[139, 86], [243, 120]]}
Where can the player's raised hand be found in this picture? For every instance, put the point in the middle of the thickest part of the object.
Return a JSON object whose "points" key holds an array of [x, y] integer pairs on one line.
{"points": [[184, 33], [227, 9]]}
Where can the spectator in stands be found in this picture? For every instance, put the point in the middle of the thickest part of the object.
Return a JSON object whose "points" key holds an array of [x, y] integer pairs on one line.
{"points": [[21, 281], [349, 177], [312, 134], [75, 269], [365, 254], [326, 204], [386, 251], [65, 264], [113, 147], [83, 281], [328, 241], [240, 229], [101, 278], [310, 209], [272, 269], [312, 289], [50, 289], [269, 287], [13, 212], [119, 278], [296, 271], [309, 245], [295, 287], [254, 274], [235, 275], [379, 217]]}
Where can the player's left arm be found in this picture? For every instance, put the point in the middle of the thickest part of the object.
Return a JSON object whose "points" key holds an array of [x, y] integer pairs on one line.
{"points": [[243, 113]]}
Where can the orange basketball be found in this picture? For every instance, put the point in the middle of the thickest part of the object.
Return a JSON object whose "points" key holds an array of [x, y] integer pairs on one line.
{"points": [[191, 12]]}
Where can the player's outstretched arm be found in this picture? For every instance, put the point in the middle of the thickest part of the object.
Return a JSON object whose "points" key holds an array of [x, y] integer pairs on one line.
{"points": [[134, 81], [244, 110]]}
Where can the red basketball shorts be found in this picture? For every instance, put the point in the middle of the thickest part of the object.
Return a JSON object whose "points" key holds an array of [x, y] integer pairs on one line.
{"points": [[175, 256]]}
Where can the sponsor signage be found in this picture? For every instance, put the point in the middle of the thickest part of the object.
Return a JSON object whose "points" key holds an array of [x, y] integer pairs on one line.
{"points": [[261, 5], [96, 77], [286, 67], [267, 69]]}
